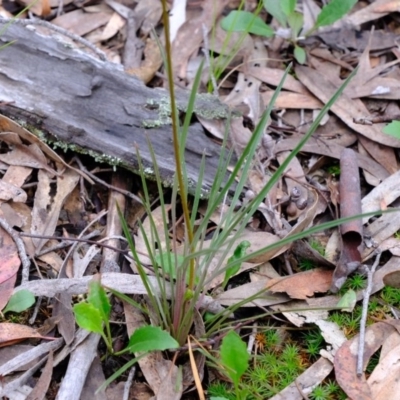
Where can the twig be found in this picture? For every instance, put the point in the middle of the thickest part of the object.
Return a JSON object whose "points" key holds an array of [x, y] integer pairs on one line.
{"points": [[363, 322], [62, 31], [67, 242], [302, 394], [26, 264], [35, 310], [128, 383], [107, 185]]}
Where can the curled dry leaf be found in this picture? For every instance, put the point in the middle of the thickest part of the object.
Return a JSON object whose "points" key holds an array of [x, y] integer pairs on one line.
{"points": [[304, 284], [351, 231]]}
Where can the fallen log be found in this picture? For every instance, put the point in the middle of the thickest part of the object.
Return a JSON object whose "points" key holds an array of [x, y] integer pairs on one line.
{"points": [[75, 101]]}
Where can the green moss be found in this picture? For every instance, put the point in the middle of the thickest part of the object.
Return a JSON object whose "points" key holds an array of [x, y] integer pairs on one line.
{"points": [[163, 106]]}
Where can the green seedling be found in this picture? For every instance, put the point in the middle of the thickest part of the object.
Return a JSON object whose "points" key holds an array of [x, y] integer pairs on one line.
{"points": [[239, 252], [289, 18], [19, 301], [93, 315], [234, 359]]}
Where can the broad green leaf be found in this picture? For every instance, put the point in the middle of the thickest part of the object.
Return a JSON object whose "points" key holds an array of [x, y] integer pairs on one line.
{"points": [[245, 21], [166, 260], [234, 356], [150, 338], [20, 301], [88, 317], [98, 298], [274, 8], [287, 6], [348, 301], [299, 54], [296, 22], [218, 398], [239, 252], [393, 129], [333, 11]]}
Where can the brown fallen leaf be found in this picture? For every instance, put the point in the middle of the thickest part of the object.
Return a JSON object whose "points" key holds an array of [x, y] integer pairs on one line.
{"points": [[9, 264], [346, 359], [344, 107], [304, 284], [11, 333]]}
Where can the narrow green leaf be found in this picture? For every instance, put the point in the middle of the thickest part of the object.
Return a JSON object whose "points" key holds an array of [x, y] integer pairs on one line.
{"points": [[98, 298], [20, 301], [239, 252], [274, 8], [393, 129], [150, 338], [333, 11], [300, 54], [245, 21], [234, 356], [88, 317]]}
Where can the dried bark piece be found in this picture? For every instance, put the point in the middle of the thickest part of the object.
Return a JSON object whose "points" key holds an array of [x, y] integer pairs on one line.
{"points": [[351, 231]]}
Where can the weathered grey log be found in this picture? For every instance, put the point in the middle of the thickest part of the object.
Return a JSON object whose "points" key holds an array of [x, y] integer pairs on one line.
{"points": [[79, 102]]}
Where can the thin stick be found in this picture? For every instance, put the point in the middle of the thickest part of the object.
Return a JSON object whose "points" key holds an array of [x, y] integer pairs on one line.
{"points": [[128, 383], [363, 322], [26, 264], [107, 185]]}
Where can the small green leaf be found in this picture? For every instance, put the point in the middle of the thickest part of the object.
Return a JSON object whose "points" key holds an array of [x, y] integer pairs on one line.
{"points": [[88, 317], [245, 21], [274, 8], [20, 301], [333, 11], [98, 298], [234, 356], [348, 301], [150, 338], [299, 54], [393, 129], [239, 252], [296, 22]]}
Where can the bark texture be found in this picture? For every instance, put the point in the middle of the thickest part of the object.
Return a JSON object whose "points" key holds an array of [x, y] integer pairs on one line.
{"points": [[92, 106]]}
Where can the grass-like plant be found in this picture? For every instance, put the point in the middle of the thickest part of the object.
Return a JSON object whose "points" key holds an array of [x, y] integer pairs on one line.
{"points": [[182, 277]]}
